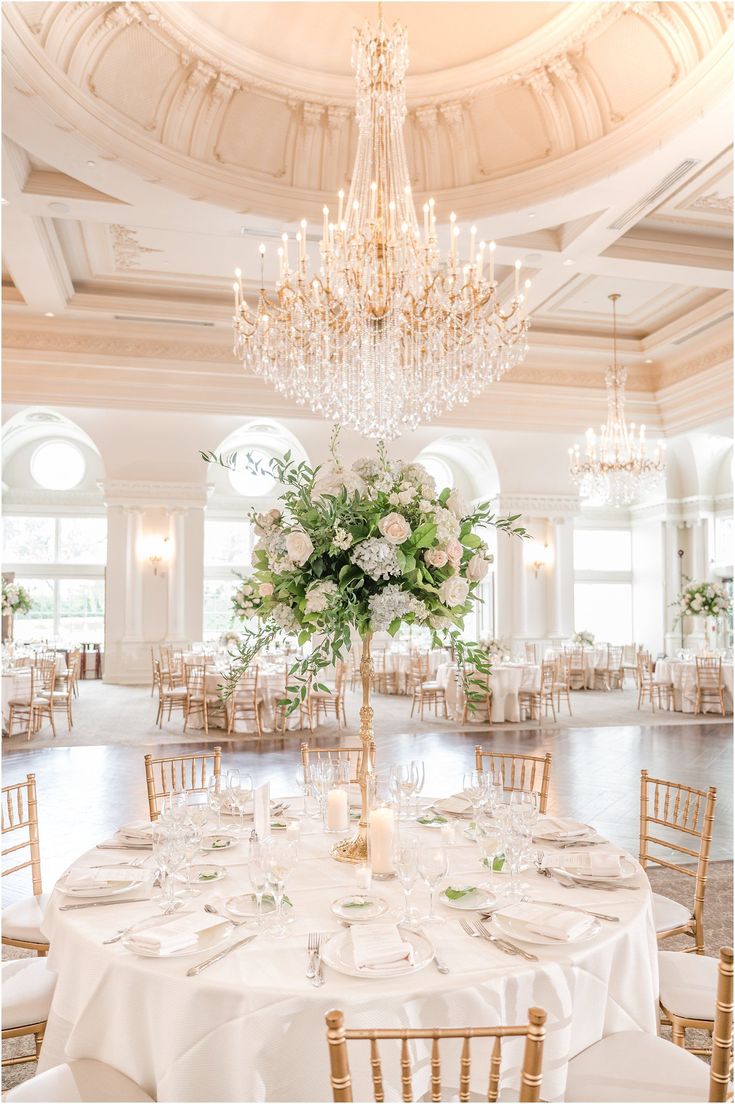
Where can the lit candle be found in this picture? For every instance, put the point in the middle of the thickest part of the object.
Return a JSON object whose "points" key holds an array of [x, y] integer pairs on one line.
{"points": [[237, 300], [432, 218], [363, 877], [480, 260], [373, 197], [280, 262], [518, 277], [325, 234], [473, 235], [284, 239], [293, 831], [452, 237], [300, 243], [381, 840], [491, 277], [426, 221], [338, 811], [341, 195]]}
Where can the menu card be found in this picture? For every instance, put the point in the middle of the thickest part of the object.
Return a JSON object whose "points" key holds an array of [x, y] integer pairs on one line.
{"points": [[262, 810]]}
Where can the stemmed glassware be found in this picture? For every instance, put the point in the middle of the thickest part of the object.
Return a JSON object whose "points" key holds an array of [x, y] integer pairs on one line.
{"points": [[258, 872], [169, 854], [304, 784], [399, 781], [433, 866], [406, 866], [197, 809], [491, 846], [280, 859], [322, 776], [239, 794], [216, 797], [475, 788], [418, 773], [191, 835]]}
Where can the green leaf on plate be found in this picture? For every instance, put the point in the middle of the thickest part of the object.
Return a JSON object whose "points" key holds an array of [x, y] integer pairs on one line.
{"points": [[432, 820], [455, 894]]}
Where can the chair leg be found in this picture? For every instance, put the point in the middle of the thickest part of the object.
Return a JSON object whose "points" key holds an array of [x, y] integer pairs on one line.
{"points": [[678, 1035]]}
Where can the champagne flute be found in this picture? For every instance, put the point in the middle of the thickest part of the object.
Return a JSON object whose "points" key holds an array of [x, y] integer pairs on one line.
{"points": [[303, 782], [215, 797], [406, 866], [281, 858], [433, 866], [258, 872], [419, 775], [474, 787]]}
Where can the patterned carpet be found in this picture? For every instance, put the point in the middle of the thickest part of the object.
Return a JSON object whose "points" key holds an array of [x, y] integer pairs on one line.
{"points": [[718, 933]]}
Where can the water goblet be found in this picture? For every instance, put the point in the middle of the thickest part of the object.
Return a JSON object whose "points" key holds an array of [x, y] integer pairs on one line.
{"points": [[197, 809], [216, 797], [303, 782], [239, 794], [406, 866], [491, 845], [281, 857], [191, 835], [398, 777], [474, 787], [433, 866], [169, 853]]}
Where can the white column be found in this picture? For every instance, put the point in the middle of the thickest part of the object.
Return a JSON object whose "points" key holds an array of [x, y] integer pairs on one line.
{"points": [[561, 619], [699, 551], [520, 591], [177, 571], [133, 577], [673, 561]]}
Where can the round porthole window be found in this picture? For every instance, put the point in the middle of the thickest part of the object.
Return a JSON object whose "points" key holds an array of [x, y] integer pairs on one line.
{"points": [[247, 481], [57, 466], [439, 471]]}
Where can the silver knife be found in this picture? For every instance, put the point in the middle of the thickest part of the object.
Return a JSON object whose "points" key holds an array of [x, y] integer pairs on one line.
{"points": [[99, 904], [516, 948], [575, 908], [194, 970], [125, 847], [438, 960]]}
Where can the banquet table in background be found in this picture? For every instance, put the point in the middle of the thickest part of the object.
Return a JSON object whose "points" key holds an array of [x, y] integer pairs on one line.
{"points": [[16, 683], [682, 674], [271, 686], [252, 1026], [591, 658], [506, 681], [399, 663]]}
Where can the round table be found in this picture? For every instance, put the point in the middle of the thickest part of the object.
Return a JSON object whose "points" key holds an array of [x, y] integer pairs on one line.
{"points": [[252, 1026], [506, 680], [682, 674], [271, 687]]}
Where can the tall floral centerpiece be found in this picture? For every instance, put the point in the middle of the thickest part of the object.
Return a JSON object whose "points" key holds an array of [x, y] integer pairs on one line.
{"points": [[708, 600], [16, 599], [358, 550]]}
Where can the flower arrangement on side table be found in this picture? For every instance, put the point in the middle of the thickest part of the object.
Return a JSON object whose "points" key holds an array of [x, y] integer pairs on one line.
{"points": [[584, 637], [354, 551], [16, 599], [708, 600]]}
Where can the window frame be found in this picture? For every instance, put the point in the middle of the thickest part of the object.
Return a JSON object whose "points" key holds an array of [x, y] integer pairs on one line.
{"points": [[224, 573], [587, 576]]}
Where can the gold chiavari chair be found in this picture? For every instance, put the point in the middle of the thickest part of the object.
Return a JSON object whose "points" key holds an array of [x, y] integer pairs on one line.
{"points": [[199, 700], [563, 681], [687, 994], [169, 697], [31, 710], [331, 700], [20, 705], [353, 671], [683, 813], [531, 651], [577, 670], [530, 1087], [245, 703], [426, 691], [154, 675], [280, 707], [62, 695], [75, 659], [351, 754], [179, 774], [520, 772], [630, 661], [27, 983], [709, 685], [385, 675], [610, 676], [534, 703], [648, 688], [630, 1066], [419, 669]]}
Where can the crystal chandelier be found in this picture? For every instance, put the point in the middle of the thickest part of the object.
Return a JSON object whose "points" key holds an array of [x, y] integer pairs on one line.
{"points": [[386, 334], [617, 470]]}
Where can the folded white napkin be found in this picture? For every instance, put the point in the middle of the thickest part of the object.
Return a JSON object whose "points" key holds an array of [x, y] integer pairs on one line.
{"points": [[379, 947], [561, 828], [141, 830], [93, 879], [552, 922], [457, 805], [603, 863], [177, 934]]}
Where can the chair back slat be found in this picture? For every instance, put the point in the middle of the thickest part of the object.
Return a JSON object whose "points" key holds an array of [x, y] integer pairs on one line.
{"points": [[352, 753], [520, 772], [20, 814], [719, 1078], [179, 774], [530, 1088]]}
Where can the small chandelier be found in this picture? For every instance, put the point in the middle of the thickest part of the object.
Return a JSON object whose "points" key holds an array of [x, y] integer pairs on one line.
{"points": [[385, 334], [616, 470]]}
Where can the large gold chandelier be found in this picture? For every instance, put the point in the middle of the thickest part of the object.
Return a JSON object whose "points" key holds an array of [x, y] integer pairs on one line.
{"points": [[616, 470], [385, 335]]}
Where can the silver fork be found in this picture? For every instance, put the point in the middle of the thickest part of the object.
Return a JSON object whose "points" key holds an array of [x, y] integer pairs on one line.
{"points": [[318, 980], [312, 948], [515, 949], [469, 930]]}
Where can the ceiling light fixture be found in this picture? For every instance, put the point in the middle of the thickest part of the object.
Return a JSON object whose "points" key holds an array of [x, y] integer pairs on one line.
{"points": [[385, 334], [568, 261], [618, 470], [49, 314]]}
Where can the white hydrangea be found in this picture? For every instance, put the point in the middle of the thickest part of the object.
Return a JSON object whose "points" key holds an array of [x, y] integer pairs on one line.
{"points": [[377, 558], [342, 538], [334, 479], [447, 525], [392, 602], [425, 506], [417, 473], [320, 595], [285, 617]]}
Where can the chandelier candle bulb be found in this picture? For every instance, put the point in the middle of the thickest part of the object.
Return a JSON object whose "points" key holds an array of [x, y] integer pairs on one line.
{"points": [[473, 235], [341, 197], [518, 278], [426, 223], [491, 277]]}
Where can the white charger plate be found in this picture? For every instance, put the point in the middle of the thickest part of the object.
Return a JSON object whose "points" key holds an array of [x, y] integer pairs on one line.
{"points": [[95, 892], [523, 934], [208, 942], [337, 953], [244, 906], [477, 901], [627, 870], [204, 873], [370, 910]]}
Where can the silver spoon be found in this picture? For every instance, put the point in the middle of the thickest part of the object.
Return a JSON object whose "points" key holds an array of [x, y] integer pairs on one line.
{"points": [[216, 912]]}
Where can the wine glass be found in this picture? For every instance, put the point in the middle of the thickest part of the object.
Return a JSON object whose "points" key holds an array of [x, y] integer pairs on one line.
{"points": [[303, 782], [191, 835], [397, 779], [418, 772], [280, 859], [169, 853], [216, 797], [258, 873], [197, 809], [173, 806], [239, 793], [433, 866], [322, 776], [491, 846], [406, 866], [474, 787]]}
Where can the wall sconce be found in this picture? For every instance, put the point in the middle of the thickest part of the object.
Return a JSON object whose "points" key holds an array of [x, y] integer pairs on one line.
{"points": [[542, 557], [158, 553]]}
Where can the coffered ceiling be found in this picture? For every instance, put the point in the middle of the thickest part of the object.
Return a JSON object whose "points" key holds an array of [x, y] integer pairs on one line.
{"points": [[149, 148]]}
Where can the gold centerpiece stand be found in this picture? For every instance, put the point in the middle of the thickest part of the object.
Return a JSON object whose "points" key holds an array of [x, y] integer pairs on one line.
{"points": [[355, 850]]}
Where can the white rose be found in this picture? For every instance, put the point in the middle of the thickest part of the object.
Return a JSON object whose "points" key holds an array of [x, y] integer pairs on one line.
{"points": [[394, 528], [435, 557], [454, 552], [394, 499], [477, 568], [453, 591], [457, 504], [404, 497], [265, 590], [298, 547], [425, 506]]}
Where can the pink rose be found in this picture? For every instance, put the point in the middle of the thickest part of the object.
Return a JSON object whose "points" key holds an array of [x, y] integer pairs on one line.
{"points": [[394, 528], [454, 552], [453, 591], [265, 590], [477, 568], [435, 557]]}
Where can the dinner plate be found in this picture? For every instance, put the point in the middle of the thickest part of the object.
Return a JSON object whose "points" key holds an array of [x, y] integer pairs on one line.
{"points": [[207, 872], [244, 906], [627, 870], [432, 820], [478, 900], [568, 841], [94, 892], [208, 942], [337, 953], [359, 906], [218, 841], [515, 930]]}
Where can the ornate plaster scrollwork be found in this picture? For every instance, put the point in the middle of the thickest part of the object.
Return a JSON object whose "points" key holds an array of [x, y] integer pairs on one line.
{"points": [[453, 115], [554, 111], [126, 249], [427, 119]]}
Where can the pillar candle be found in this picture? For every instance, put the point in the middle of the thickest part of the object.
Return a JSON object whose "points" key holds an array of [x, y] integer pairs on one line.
{"points": [[381, 841], [338, 811], [363, 878], [293, 830]]}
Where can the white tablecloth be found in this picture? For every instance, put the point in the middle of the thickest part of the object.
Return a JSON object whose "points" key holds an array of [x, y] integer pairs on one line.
{"points": [[16, 683], [400, 663], [506, 681], [252, 1026], [683, 675]]}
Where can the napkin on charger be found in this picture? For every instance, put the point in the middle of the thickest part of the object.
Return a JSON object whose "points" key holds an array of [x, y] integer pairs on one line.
{"points": [[560, 828], [379, 947], [177, 934], [141, 830], [457, 805], [552, 922], [602, 863], [80, 878]]}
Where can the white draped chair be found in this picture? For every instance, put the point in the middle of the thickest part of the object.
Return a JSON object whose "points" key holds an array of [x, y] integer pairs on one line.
{"points": [[82, 1082]]}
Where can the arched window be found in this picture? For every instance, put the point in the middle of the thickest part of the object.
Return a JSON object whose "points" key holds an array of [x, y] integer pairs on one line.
{"points": [[438, 469], [57, 466], [252, 478]]}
